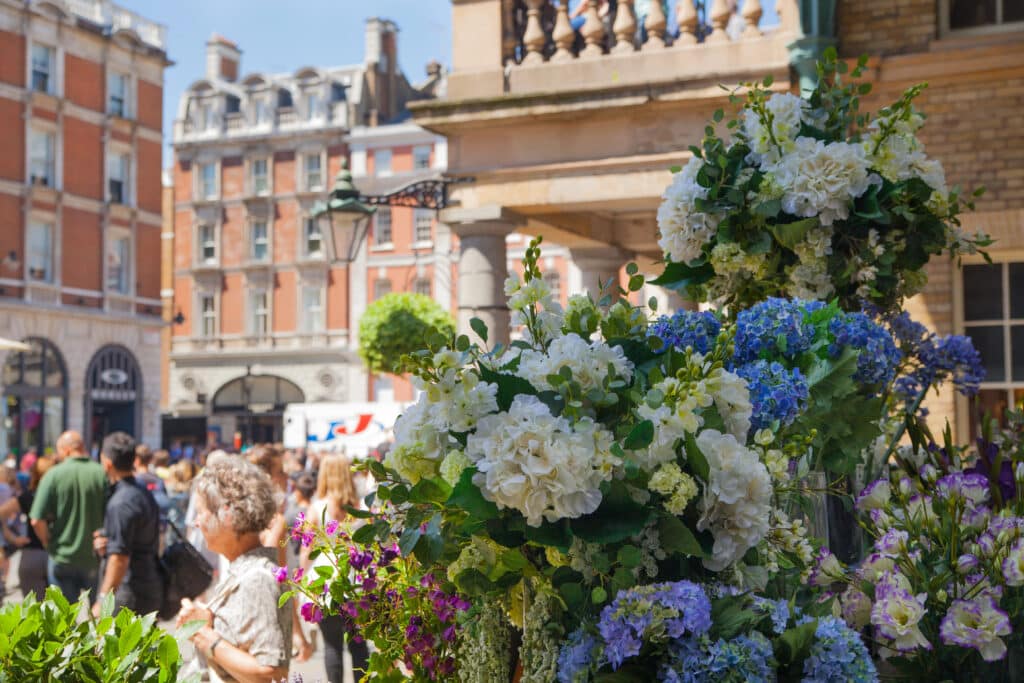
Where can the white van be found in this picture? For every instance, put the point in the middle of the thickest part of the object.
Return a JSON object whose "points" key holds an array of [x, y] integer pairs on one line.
{"points": [[350, 428]]}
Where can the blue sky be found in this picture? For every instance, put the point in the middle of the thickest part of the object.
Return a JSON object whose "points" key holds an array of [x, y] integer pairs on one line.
{"points": [[283, 35]]}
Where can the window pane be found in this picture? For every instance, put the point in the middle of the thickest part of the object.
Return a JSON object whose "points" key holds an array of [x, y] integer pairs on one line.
{"points": [[1016, 290], [421, 157], [382, 162], [983, 292], [118, 262], [382, 225], [1013, 10], [1017, 352], [971, 13], [40, 252], [989, 342], [54, 373], [54, 421]]}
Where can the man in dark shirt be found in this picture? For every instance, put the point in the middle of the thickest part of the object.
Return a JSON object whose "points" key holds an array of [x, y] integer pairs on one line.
{"points": [[131, 527]]}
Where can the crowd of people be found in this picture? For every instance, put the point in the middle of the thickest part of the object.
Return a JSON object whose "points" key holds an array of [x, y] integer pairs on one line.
{"points": [[101, 526]]}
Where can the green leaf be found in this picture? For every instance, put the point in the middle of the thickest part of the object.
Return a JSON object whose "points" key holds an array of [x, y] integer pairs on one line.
{"points": [[408, 540], [616, 519], [678, 276], [676, 537], [554, 534], [640, 436], [791, 234], [572, 593], [509, 386], [473, 582], [478, 326], [794, 644], [189, 629], [365, 534], [698, 463], [429, 491], [467, 496], [431, 545], [629, 556], [396, 325]]}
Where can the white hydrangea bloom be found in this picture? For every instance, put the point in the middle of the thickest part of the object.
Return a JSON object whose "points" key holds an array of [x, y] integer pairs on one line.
{"points": [[788, 113], [540, 465], [737, 498], [684, 230], [420, 442], [459, 399], [732, 399], [822, 180], [588, 361]]}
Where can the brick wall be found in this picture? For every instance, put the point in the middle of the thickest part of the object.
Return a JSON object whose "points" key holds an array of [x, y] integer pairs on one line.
{"points": [[285, 299], [182, 181], [12, 58], [232, 179], [183, 304], [12, 160], [286, 231], [11, 237], [82, 265], [233, 304], [337, 306], [148, 258], [84, 83], [148, 175], [885, 28], [284, 172], [150, 104], [232, 237], [83, 158]]}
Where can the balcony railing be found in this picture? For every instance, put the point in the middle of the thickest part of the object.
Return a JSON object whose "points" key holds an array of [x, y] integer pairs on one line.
{"points": [[105, 13], [538, 31]]}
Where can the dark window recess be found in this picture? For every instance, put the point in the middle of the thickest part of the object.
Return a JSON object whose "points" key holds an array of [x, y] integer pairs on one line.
{"points": [[972, 13], [988, 340], [983, 292], [284, 98], [232, 105], [117, 191], [337, 92]]}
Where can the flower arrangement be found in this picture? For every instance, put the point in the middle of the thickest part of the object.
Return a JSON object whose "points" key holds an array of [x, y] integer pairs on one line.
{"points": [[811, 198]]}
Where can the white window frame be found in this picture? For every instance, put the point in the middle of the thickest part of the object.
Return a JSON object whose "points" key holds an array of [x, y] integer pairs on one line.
{"points": [[201, 188], [259, 314], [998, 27], [127, 110], [52, 178], [255, 240], [49, 275], [378, 214], [1008, 384], [314, 319], [53, 81], [202, 243], [419, 152], [266, 190], [422, 218], [380, 289], [423, 285], [312, 231], [553, 279], [263, 111], [127, 286], [377, 170], [311, 102], [116, 152], [306, 184], [207, 317]]}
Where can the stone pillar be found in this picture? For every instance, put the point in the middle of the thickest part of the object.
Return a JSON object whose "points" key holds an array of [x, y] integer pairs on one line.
{"points": [[483, 267], [592, 267]]}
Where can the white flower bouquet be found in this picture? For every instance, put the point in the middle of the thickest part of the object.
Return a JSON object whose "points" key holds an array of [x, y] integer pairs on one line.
{"points": [[811, 198]]}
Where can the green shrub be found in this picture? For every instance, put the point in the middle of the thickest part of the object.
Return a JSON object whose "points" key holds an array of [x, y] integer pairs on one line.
{"points": [[398, 324], [46, 641]]}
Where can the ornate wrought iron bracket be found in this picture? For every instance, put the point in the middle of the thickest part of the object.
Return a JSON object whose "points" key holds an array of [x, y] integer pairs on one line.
{"points": [[424, 194]]}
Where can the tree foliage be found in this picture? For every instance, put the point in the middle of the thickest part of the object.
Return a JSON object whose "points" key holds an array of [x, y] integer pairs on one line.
{"points": [[398, 324]]}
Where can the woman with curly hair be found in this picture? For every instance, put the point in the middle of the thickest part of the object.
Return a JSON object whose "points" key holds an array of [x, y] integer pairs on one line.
{"points": [[247, 635]]}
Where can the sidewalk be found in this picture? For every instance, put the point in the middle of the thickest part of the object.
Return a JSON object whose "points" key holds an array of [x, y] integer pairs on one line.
{"points": [[311, 671]]}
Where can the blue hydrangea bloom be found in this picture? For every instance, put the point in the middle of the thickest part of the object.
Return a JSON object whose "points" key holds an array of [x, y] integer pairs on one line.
{"points": [[744, 659], [838, 655], [697, 329], [776, 393], [777, 609], [773, 328], [674, 609], [576, 657], [936, 359], [878, 357]]}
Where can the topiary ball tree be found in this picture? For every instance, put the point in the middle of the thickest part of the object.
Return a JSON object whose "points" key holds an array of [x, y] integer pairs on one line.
{"points": [[398, 324]]}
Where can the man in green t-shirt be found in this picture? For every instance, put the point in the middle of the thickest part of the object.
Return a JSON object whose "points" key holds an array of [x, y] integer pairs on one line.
{"points": [[67, 509]]}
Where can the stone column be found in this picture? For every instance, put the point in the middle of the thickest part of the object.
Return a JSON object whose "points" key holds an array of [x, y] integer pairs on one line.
{"points": [[482, 267], [593, 267]]}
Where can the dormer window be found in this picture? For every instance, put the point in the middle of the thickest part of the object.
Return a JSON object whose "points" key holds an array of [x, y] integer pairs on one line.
{"points": [[284, 99], [337, 92], [312, 104], [232, 105], [262, 112]]}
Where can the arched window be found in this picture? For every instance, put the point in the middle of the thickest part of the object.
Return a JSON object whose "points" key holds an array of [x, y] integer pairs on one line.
{"points": [[35, 387], [258, 393], [113, 395]]}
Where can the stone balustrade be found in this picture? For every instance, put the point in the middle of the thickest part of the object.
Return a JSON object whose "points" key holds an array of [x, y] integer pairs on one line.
{"points": [[106, 13], [538, 31]]}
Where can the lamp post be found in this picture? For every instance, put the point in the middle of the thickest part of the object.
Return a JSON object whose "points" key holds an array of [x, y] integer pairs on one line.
{"points": [[247, 397]]}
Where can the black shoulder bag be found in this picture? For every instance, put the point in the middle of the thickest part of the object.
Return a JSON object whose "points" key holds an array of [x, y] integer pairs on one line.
{"points": [[186, 574]]}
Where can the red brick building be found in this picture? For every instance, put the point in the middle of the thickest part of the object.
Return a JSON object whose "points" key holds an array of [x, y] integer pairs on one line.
{"points": [[268, 313], [81, 95]]}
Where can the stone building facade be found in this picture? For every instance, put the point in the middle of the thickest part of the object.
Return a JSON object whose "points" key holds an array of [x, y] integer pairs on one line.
{"points": [[264, 305], [569, 133], [81, 92]]}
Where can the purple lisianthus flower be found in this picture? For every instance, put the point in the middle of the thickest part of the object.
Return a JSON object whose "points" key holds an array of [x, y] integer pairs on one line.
{"points": [[311, 613], [969, 487], [874, 496], [978, 624], [985, 465]]}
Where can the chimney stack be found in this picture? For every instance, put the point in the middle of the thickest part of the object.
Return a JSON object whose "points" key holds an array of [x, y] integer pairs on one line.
{"points": [[223, 59], [381, 60]]}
